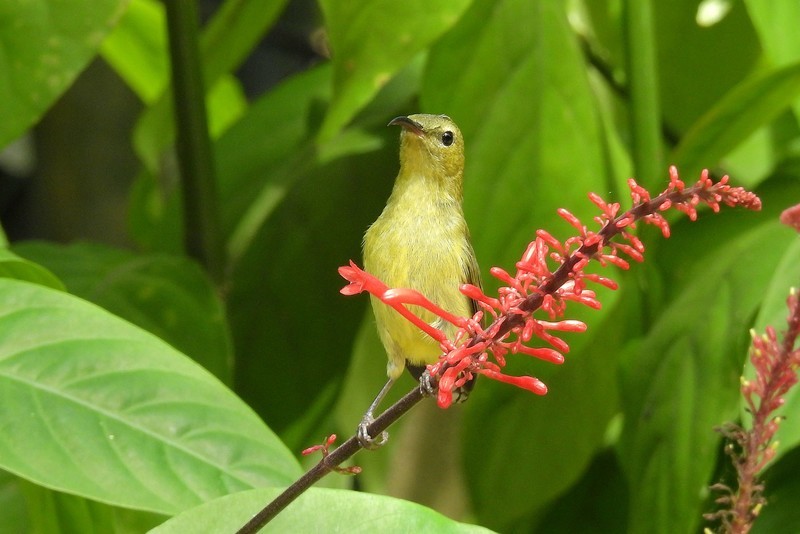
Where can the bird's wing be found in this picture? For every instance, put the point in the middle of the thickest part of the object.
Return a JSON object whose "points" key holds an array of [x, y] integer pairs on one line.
{"points": [[473, 276]]}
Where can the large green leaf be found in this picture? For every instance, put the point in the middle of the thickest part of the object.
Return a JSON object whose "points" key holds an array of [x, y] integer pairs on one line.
{"points": [[774, 23], [316, 510], [284, 288], [93, 406], [53, 512], [226, 41], [698, 64], [264, 154], [13, 513], [682, 380], [596, 503], [748, 106], [137, 49], [234, 30], [535, 143], [372, 41], [45, 44], [168, 296]]}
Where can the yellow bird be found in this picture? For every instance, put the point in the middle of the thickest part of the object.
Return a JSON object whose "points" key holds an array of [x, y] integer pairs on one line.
{"points": [[421, 241]]}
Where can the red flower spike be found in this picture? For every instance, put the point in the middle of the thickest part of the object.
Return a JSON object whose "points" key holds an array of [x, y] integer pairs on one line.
{"points": [[776, 362], [548, 275]]}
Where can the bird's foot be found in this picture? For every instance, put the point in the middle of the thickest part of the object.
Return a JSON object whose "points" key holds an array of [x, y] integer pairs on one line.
{"points": [[460, 394], [367, 441], [426, 386]]}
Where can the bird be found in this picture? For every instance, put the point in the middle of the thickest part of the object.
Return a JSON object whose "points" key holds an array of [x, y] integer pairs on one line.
{"points": [[421, 241]]}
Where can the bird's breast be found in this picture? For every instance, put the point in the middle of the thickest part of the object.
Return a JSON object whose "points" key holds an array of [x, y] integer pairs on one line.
{"points": [[419, 243]]}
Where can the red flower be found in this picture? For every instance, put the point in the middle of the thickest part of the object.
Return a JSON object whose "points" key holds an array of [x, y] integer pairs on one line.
{"points": [[548, 275]]}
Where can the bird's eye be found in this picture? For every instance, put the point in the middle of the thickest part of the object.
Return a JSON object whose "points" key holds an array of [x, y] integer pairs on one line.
{"points": [[448, 138]]}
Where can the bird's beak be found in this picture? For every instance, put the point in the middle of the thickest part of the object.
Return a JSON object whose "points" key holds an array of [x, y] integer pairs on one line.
{"points": [[408, 124]]}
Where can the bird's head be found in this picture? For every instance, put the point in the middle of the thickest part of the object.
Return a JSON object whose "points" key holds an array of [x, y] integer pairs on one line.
{"points": [[431, 145]]}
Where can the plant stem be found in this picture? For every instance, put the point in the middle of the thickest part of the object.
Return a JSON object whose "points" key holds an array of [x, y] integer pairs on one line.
{"points": [[645, 114], [202, 232], [326, 465]]}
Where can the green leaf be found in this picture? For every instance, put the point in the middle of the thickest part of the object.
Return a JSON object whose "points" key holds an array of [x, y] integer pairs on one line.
{"points": [[13, 513], [371, 42], [93, 406], [698, 64], [535, 143], [226, 41], [682, 380], [316, 510], [233, 32], [774, 23], [137, 49], [155, 130], [284, 288], [782, 490], [552, 439], [46, 44], [779, 41], [596, 503], [168, 296], [12, 266], [265, 153], [745, 108], [55, 512]]}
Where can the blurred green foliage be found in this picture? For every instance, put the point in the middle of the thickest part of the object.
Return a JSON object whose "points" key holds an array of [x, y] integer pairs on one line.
{"points": [[623, 442]]}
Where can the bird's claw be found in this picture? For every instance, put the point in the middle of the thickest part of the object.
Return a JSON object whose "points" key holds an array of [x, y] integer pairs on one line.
{"points": [[367, 441], [426, 387]]}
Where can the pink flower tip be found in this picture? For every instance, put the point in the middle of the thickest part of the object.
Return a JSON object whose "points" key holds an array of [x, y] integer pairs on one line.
{"points": [[311, 450], [445, 398], [352, 274], [791, 217], [534, 385]]}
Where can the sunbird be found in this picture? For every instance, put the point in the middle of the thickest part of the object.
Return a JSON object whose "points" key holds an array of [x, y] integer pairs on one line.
{"points": [[421, 241]]}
